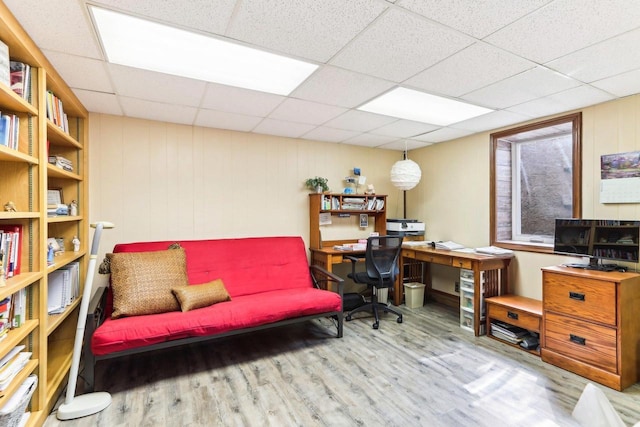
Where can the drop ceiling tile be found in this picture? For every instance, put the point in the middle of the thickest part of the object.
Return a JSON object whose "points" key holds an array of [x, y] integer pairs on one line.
{"points": [[238, 100], [69, 31], [99, 102], [523, 87], [571, 99], [477, 18], [360, 121], [370, 140], [399, 45], [157, 87], [80, 72], [614, 56], [282, 128], [621, 85], [403, 129], [170, 113], [491, 121], [204, 15], [443, 134], [305, 28], [402, 144], [322, 133], [564, 26], [336, 86], [300, 111], [225, 120], [472, 68]]}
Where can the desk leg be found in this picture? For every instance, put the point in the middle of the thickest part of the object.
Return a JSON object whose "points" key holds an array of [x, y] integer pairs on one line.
{"points": [[397, 288]]}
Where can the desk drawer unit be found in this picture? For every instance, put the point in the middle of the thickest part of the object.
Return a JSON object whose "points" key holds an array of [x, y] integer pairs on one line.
{"points": [[591, 324], [586, 298], [580, 340]]}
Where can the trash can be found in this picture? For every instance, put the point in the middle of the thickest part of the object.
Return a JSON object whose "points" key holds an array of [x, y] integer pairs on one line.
{"points": [[383, 295], [414, 294]]}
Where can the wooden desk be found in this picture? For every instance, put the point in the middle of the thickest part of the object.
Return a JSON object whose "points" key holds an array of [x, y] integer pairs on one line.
{"points": [[326, 257], [496, 278]]}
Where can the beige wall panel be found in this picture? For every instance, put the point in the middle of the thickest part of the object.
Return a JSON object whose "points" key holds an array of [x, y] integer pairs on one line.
{"points": [[453, 196], [162, 181]]}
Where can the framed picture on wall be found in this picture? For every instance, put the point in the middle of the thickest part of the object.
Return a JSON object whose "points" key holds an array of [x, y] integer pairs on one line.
{"points": [[364, 220]]}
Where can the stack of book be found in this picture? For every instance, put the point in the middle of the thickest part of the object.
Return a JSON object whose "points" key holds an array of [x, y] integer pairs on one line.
{"points": [[61, 162], [507, 332]]}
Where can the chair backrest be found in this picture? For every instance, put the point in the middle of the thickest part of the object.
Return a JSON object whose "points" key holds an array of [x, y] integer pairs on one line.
{"points": [[381, 258]]}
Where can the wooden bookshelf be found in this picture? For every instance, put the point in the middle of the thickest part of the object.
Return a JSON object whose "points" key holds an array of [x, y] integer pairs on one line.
{"points": [[25, 177]]}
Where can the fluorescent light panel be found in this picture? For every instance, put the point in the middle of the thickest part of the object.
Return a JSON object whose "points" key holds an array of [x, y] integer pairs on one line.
{"points": [[138, 43], [422, 107]]}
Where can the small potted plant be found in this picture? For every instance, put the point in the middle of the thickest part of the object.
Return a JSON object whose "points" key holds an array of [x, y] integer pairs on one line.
{"points": [[317, 184]]}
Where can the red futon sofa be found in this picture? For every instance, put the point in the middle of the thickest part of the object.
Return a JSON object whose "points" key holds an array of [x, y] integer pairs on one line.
{"points": [[268, 279]]}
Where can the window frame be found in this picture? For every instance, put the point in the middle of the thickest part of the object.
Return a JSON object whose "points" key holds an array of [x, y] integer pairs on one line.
{"points": [[576, 125]]}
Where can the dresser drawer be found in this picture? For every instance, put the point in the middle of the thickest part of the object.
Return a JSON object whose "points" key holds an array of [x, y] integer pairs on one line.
{"points": [[581, 340], [514, 317], [589, 299]]}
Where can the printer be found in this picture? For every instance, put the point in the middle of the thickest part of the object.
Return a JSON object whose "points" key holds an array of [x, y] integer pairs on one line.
{"points": [[405, 227]]}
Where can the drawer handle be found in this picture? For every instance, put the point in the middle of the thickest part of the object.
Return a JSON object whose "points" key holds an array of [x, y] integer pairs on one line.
{"points": [[576, 296], [578, 340], [512, 315]]}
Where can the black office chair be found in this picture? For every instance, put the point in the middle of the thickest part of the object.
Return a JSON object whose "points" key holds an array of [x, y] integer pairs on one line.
{"points": [[381, 269]]}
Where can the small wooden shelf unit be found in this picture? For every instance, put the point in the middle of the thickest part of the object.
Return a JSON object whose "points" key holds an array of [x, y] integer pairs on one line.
{"points": [[518, 311]]}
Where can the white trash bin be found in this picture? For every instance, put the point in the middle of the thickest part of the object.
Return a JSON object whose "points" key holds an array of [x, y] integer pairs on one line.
{"points": [[414, 294]]}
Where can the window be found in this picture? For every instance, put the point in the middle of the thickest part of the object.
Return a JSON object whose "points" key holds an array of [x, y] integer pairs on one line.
{"points": [[535, 178]]}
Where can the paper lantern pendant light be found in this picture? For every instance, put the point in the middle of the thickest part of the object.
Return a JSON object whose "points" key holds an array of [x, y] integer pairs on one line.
{"points": [[405, 174]]}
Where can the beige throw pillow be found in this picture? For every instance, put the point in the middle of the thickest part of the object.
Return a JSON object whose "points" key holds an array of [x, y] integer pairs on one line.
{"points": [[198, 296], [142, 281]]}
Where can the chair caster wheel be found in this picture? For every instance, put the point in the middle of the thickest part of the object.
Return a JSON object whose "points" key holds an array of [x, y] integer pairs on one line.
{"points": [[399, 320], [375, 325], [348, 318]]}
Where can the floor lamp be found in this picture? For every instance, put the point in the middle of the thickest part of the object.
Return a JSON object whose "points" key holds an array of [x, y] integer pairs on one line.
{"points": [[90, 403]]}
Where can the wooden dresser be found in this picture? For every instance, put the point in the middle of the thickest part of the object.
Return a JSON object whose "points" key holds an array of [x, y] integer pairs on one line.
{"points": [[591, 324]]}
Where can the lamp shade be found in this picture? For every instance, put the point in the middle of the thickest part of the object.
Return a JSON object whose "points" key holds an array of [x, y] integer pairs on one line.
{"points": [[405, 174]]}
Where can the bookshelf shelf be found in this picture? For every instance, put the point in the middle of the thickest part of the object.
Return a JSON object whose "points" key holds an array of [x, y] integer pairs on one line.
{"points": [[374, 205], [25, 177]]}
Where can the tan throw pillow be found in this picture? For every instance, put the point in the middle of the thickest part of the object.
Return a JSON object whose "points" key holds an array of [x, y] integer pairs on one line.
{"points": [[142, 281], [198, 296]]}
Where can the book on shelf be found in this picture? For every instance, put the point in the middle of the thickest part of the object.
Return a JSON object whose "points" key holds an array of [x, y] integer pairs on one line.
{"points": [[55, 111], [9, 130], [449, 245], [5, 66], [21, 79], [507, 332], [11, 248]]}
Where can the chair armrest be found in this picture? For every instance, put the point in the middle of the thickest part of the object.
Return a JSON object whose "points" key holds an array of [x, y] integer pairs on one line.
{"points": [[322, 276], [353, 258]]}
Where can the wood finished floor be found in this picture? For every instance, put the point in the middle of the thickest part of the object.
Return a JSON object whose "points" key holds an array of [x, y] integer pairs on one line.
{"points": [[426, 371]]}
